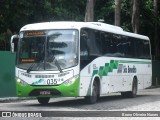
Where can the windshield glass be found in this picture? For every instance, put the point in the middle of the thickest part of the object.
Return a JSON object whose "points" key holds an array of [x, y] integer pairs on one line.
{"points": [[48, 50]]}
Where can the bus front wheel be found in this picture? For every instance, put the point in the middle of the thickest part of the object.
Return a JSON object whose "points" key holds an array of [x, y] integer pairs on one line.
{"points": [[43, 100], [94, 96]]}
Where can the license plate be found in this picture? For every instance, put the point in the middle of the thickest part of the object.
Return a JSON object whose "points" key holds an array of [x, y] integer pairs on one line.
{"points": [[45, 92]]}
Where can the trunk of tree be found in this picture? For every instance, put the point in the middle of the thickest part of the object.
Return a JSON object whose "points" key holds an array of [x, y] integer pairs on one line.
{"points": [[156, 41], [89, 15], [135, 16], [117, 12]]}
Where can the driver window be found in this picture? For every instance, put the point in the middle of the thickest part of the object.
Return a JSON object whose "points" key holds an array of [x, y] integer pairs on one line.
{"points": [[83, 44]]}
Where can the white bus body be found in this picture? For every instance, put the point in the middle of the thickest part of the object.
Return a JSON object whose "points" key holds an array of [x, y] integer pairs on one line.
{"points": [[87, 59]]}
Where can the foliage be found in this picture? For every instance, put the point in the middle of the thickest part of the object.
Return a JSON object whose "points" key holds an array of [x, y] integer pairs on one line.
{"points": [[16, 13], [105, 12]]}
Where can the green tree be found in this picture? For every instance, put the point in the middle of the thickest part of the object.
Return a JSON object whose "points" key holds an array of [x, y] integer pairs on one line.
{"points": [[16, 13], [104, 9]]}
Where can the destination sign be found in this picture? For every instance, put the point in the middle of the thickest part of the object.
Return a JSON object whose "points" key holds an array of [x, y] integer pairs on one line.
{"points": [[34, 33], [27, 60]]}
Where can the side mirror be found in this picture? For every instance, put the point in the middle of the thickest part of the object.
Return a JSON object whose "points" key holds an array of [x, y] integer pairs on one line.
{"points": [[12, 43]]}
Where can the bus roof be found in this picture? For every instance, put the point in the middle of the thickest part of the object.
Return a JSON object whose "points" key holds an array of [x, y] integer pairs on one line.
{"points": [[78, 25]]}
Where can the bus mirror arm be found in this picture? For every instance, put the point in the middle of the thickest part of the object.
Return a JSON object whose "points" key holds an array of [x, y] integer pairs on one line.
{"points": [[12, 43]]}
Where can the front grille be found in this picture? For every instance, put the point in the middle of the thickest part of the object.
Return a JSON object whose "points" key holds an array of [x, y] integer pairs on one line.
{"points": [[36, 92]]}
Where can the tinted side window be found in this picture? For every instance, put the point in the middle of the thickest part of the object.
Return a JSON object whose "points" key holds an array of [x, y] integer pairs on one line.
{"points": [[146, 49], [107, 41], [142, 49], [113, 45], [131, 47], [100, 43], [84, 51]]}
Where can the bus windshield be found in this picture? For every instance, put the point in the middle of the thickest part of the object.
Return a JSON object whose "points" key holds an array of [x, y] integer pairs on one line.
{"points": [[48, 50]]}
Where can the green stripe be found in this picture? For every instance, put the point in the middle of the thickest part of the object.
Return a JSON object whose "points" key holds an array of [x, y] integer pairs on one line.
{"points": [[109, 67], [103, 71], [135, 62]]}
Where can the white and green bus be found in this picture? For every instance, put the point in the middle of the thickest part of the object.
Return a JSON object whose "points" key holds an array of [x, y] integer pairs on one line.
{"points": [[80, 59]]}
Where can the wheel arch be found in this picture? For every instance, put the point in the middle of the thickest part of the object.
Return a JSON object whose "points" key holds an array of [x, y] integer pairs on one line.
{"points": [[98, 81], [94, 90]]}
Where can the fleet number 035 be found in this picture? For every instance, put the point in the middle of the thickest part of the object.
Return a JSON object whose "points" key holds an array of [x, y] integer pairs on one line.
{"points": [[51, 81]]}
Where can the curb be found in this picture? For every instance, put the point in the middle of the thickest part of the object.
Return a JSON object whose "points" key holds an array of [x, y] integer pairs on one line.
{"points": [[14, 99]]}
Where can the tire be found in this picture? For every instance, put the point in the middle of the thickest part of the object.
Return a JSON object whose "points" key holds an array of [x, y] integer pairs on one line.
{"points": [[133, 93], [94, 96], [43, 100]]}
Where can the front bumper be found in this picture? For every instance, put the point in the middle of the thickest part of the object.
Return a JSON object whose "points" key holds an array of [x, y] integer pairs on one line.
{"points": [[54, 91]]}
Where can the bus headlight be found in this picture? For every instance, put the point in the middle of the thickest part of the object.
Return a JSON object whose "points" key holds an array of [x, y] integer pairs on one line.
{"points": [[71, 80], [20, 81]]}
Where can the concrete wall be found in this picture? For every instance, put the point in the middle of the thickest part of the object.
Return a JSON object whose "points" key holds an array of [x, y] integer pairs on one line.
{"points": [[7, 74]]}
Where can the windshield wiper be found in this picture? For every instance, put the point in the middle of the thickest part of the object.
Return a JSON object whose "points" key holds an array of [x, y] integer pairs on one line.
{"points": [[52, 56], [30, 67], [56, 63], [58, 66]]}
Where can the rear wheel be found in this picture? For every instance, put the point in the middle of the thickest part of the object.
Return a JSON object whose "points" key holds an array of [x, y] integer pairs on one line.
{"points": [[94, 96], [133, 93], [43, 100]]}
